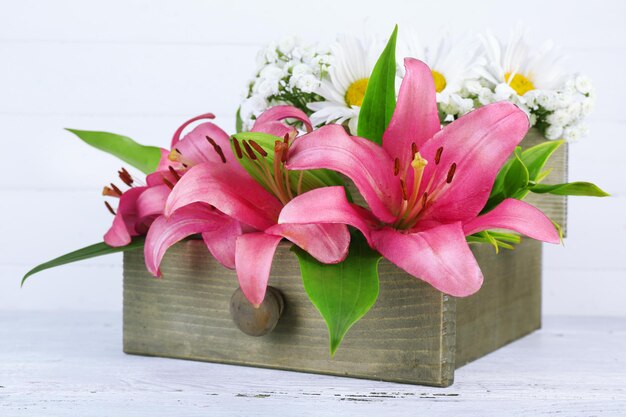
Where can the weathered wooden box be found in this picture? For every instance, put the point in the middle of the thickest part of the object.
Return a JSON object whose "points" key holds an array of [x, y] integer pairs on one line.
{"points": [[414, 334]]}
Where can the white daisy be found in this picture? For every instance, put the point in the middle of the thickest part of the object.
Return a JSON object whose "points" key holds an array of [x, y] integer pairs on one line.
{"points": [[344, 88], [514, 64], [452, 62]]}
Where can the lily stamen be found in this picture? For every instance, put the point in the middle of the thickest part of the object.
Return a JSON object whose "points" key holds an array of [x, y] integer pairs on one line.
{"points": [[438, 155], [257, 148], [168, 183], [173, 172], [117, 190], [237, 148], [451, 173], [125, 177], [249, 150], [108, 206], [110, 192]]}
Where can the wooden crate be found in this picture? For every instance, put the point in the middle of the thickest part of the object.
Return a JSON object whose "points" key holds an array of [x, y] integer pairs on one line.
{"points": [[413, 334]]}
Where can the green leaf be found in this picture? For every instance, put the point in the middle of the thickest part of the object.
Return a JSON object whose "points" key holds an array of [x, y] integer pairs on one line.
{"points": [[571, 188], [380, 96], [238, 121], [92, 251], [342, 292], [144, 158], [517, 177], [535, 157], [511, 181]]}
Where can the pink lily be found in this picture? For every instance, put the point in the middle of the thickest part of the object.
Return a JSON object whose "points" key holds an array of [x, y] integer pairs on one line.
{"points": [[141, 208], [425, 186], [227, 187]]}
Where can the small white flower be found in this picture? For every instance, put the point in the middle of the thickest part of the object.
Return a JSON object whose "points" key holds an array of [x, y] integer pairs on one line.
{"points": [[587, 106], [286, 44], [252, 106], [575, 110], [583, 84], [559, 117], [308, 83], [572, 133], [266, 87], [531, 98], [473, 86], [271, 54], [532, 118], [547, 100], [301, 69], [554, 132], [503, 91], [463, 105], [564, 100], [485, 96], [272, 73]]}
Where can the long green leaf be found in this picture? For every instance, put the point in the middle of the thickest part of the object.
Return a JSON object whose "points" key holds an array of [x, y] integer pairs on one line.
{"points": [[572, 188], [342, 292], [380, 96], [92, 251], [145, 158]]}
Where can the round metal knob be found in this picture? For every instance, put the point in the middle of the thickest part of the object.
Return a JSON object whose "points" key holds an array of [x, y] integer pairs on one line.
{"points": [[256, 321]]}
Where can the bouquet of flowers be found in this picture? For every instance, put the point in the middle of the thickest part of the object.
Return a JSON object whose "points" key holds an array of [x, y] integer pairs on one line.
{"points": [[329, 84], [430, 180]]}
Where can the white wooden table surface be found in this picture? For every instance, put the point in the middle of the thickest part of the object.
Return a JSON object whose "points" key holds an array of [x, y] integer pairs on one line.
{"points": [[71, 364]]}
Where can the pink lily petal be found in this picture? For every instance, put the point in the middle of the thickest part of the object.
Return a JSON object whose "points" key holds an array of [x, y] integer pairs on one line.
{"points": [[235, 194], [478, 143], [179, 131], [164, 232], [123, 228], [221, 242], [275, 128], [416, 118], [328, 243], [327, 205], [195, 148], [439, 256], [152, 201], [165, 161], [254, 255], [518, 216], [155, 179], [361, 160], [280, 113]]}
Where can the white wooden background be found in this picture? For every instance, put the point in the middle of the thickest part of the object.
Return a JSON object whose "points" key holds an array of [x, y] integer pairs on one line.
{"points": [[142, 67]]}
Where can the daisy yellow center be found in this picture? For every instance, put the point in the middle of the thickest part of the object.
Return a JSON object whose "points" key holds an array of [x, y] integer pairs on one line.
{"points": [[440, 81], [356, 92], [519, 83]]}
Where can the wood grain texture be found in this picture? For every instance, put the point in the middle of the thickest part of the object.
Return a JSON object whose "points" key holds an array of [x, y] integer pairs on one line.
{"points": [[410, 335], [508, 305]]}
